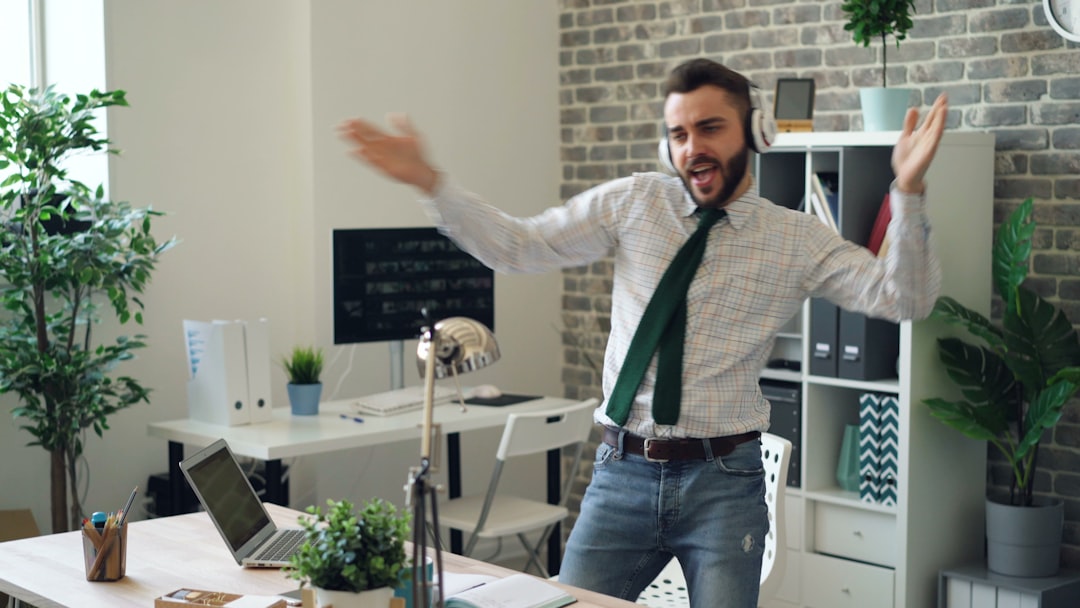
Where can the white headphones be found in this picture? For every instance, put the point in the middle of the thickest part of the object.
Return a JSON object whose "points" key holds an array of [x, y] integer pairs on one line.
{"points": [[760, 131]]}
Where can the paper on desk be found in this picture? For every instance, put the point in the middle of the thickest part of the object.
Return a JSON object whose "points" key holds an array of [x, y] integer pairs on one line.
{"points": [[457, 582], [514, 591]]}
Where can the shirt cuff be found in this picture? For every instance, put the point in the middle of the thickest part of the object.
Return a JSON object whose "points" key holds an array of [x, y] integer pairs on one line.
{"points": [[906, 204]]}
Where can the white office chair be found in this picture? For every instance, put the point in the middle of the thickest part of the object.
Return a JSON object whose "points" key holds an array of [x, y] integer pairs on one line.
{"points": [[494, 515], [668, 589]]}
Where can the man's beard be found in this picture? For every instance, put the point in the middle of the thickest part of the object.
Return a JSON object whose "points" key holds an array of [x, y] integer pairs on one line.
{"points": [[732, 173]]}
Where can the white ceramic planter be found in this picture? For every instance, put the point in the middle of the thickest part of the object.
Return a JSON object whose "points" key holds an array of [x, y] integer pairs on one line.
{"points": [[373, 598], [883, 109]]}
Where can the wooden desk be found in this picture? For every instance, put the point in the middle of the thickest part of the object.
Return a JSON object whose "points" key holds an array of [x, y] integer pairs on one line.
{"points": [[288, 436], [166, 554]]}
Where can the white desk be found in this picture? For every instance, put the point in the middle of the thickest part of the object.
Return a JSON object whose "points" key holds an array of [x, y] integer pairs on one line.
{"points": [[171, 553], [288, 436]]}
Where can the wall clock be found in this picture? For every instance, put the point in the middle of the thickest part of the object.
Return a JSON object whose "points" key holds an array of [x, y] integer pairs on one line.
{"points": [[1064, 17]]}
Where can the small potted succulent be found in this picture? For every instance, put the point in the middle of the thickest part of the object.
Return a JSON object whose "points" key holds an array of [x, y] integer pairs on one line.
{"points": [[353, 558], [304, 367]]}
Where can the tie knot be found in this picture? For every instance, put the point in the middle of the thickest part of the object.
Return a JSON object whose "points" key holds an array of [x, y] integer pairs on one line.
{"points": [[709, 216]]}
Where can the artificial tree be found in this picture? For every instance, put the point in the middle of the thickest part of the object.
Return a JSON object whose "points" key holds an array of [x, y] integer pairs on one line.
{"points": [[63, 248]]}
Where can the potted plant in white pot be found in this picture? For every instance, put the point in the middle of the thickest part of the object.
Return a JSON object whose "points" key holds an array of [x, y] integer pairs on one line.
{"points": [[1014, 380], [868, 20], [304, 368], [68, 256], [353, 559]]}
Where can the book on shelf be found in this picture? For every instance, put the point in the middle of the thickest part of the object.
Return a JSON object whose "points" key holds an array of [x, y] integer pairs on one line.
{"points": [[877, 243], [821, 209], [514, 591], [824, 189]]}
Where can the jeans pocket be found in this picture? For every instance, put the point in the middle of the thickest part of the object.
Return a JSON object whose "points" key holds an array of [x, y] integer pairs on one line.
{"points": [[744, 460], [604, 454]]}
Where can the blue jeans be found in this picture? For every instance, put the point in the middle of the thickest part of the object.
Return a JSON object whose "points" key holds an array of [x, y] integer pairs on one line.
{"points": [[636, 515]]}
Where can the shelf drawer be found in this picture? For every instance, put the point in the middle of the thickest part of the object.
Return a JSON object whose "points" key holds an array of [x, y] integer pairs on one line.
{"points": [[830, 582], [855, 533]]}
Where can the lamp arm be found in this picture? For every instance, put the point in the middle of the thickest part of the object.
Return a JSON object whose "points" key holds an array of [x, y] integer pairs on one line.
{"points": [[429, 395]]}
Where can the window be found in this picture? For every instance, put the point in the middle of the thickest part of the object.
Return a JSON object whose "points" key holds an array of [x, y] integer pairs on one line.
{"points": [[16, 55]]}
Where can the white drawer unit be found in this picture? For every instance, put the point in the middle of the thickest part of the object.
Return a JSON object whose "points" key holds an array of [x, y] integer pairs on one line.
{"points": [[974, 586], [839, 583], [867, 536]]}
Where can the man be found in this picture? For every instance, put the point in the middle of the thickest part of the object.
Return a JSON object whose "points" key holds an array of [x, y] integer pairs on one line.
{"points": [[696, 403]]}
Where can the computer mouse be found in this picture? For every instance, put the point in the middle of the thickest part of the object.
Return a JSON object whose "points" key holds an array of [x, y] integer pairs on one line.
{"points": [[487, 391]]}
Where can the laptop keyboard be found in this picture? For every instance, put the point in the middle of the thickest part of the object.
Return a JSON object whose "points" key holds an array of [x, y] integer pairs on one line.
{"points": [[284, 545]]}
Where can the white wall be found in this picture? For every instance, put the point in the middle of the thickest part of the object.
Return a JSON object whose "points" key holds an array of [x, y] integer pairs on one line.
{"points": [[231, 131]]}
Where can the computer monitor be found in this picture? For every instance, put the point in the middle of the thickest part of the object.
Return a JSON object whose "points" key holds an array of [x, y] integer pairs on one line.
{"points": [[384, 277]]}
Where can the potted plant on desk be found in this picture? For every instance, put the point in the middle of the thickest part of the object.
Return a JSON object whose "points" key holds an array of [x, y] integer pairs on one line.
{"points": [[1015, 380], [353, 559], [304, 368]]}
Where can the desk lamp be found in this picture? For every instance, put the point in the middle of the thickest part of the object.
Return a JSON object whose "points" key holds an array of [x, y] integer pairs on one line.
{"points": [[455, 345]]}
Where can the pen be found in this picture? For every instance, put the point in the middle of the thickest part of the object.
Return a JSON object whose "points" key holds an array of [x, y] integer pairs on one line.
{"points": [[127, 507], [353, 418]]}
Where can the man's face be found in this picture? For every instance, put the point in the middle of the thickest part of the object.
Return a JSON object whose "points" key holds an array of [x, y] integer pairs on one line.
{"points": [[708, 144]]}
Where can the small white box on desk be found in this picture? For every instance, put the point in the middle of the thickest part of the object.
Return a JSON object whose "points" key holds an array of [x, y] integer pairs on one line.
{"points": [[217, 386]]}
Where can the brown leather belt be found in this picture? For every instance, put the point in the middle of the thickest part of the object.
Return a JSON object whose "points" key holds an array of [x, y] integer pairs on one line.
{"points": [[663, 450]]}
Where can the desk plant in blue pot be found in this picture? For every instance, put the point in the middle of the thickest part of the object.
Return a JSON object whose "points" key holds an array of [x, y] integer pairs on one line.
{"points": [[353, 559], [70, 259], [1014, 380], [304, 368]]}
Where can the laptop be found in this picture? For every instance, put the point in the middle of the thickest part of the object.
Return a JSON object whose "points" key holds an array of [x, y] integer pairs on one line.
{"points": [[235, 508]]}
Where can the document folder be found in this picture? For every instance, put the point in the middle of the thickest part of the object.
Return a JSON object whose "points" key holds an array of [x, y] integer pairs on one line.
{"points": [[824, 319], [217, 386], [786, 421], [868, 348], [257, 360]]}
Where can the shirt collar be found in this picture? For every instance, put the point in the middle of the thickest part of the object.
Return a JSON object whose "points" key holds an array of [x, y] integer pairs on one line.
{"points": [[739, 210]]}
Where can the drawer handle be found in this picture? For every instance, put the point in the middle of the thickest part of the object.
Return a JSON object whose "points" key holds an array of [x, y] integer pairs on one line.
{"points": [[857, 533], [845, 591]]}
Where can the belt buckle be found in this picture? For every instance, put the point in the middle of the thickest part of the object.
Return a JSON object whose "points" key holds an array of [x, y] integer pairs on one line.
{"points": [[645, 451]]}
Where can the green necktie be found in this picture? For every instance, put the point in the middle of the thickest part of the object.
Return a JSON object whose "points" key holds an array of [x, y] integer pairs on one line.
{"points": [[663, 326]]}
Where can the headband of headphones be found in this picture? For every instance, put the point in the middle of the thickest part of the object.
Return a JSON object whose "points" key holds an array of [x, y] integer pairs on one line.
{"points": [[760, 130]]}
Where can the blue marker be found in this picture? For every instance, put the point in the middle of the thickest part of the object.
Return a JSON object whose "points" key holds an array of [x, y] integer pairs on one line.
{"points": [[98, 519], [353, 418]]}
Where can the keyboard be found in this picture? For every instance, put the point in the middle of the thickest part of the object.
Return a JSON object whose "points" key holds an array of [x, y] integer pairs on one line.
{"points": [[399, 401], [286, 543]]}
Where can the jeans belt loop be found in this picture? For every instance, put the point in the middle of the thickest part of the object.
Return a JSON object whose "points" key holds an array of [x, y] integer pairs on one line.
{"points": [[619, 448], [706, 445], [646, 448]]}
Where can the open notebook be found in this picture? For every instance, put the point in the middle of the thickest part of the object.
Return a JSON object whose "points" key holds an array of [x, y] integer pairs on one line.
{"points": [[235, 509]]}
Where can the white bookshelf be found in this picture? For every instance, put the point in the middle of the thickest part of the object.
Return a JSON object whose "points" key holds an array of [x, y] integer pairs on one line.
{"points": [[843, 552]]}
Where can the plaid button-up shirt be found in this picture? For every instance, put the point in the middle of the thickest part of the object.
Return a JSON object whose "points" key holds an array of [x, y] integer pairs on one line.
{"points": [[761, 263]]}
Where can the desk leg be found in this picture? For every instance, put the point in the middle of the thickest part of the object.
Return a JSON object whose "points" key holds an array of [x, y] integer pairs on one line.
{"points": [[453, 472], [554, 489], [176, 478], [274, 490]]}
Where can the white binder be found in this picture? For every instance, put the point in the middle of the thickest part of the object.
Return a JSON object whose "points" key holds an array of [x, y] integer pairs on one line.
{"points": [[257, 358], [217, 386]]}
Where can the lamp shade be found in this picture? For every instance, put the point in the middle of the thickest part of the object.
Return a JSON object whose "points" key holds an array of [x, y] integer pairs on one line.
{"points": [[462, 345]]}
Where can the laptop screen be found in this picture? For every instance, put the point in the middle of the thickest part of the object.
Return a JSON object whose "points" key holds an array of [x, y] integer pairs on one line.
{"points": [[227, 495]]}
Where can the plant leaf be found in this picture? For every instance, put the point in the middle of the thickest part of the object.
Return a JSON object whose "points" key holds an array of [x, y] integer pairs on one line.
{"points": [[1012, 248]]}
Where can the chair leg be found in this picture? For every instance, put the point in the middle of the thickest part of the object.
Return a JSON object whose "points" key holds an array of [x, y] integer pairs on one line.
{"points": [[534, 557]]}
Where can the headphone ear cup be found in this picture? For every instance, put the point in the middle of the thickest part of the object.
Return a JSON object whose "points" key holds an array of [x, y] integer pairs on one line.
{"points": [[762, 125], [663, 152]]}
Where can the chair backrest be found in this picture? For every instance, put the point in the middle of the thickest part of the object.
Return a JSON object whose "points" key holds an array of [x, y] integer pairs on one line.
{"points": [[535, 432], [775, 457]]}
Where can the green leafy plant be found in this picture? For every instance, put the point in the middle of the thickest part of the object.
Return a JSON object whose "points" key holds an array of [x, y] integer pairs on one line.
{"points": [[871, 19], [304, 365], [64, 248], [1017, 378], [349, 551]]}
